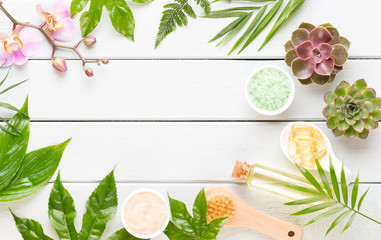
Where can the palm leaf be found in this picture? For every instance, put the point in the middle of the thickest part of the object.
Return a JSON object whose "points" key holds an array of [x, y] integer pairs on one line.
{"points": [[302, 189], [338, 220], [325, 214], [6, 75], [362, 199], [265, 21], [323, 177], [335, 184], [13, 86], [228, 28], [249, 29], [235, 30], [307, 201], [315, 208], [355, 191], [291, 7], [350, 221], [328, 197], [344, 187], [310, 178]]}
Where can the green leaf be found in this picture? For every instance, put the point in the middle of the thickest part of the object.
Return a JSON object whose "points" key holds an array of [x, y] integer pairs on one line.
{"points": [[13, 86], [175, 233], [291, 7], [226, 14], [362, 199], [344, 188], [335, 183], [35, 171], [181, 217], [350, 221], [252, 25], [89, 20], [303, 189], [236, 29], [325, 214], [323, 177], [30, 229], [13, 148], [214, 228], [228, 28], [100, 208], [205, 5], [6, 75], [122, 234], [200, 208], [310, 178], [315, 208], [62, 211], [121, 17], [77, 6], [307, 201], [265, 21], [337, 221], [355, 191]]}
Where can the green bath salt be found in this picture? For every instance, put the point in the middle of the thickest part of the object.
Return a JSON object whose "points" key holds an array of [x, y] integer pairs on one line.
{"points": [[269, 89]]}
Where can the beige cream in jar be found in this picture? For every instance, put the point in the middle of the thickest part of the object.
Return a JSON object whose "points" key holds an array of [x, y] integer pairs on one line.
{"points": [[145, 213]]}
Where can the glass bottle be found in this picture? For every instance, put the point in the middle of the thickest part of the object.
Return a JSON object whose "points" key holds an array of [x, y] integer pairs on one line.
{"points": [[271, 180]]}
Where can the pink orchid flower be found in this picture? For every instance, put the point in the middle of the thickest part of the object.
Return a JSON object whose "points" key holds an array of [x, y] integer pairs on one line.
{"points": [[58, 24], [16, 48]]}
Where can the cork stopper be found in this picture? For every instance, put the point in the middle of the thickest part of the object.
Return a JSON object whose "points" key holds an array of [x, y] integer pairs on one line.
{"points": [[240, 171]]}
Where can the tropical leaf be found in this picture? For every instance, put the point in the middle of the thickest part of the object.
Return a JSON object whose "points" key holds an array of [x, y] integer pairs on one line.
{"points": [[325, 200], [291, 7], [30, 229], [100, 208], [36, 169], [13, 148], [175, 14], [260, 21], [122, 234], [62, 211]]}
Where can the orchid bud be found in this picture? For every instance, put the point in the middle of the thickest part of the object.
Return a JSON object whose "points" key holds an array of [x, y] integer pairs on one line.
{"points": [[89, 72], [59, 64], [90, 41], [105, 61]]}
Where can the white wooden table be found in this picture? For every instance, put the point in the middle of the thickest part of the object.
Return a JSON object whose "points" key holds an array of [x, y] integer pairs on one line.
{"points": [[175, 119]]}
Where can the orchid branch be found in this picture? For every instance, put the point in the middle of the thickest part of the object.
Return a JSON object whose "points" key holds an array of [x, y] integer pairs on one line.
{"points": [[58, 63]]}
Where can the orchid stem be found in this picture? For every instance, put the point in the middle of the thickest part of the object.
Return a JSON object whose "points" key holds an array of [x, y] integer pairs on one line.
{"points": [[50, 40]]}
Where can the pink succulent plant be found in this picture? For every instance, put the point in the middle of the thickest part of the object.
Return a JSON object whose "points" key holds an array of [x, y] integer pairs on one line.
{"points": [[58, 23], [316, 54], [19, 46]]}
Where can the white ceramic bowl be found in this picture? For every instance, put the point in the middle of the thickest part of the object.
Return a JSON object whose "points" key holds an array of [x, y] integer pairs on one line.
{"points": [[152, 235], [277, 111]]}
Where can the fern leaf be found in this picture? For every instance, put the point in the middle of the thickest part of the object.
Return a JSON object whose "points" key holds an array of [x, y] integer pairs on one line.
{"points": [[205, 4], [175, 14]]}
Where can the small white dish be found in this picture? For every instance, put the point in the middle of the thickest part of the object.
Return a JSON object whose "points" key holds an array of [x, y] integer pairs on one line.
{"points": [[152, 235], [277, 111], [284, 138]]}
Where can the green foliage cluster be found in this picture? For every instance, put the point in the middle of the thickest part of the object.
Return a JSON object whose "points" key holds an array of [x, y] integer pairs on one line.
{"points": [[329, 197], [21, 173], [119, 12]]}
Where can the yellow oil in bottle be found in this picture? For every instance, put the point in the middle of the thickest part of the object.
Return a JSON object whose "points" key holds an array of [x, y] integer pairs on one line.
{"points": [[275, 181]]}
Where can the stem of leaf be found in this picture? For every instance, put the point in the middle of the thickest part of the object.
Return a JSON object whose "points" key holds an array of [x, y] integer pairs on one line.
{"points": [[358, 212]]}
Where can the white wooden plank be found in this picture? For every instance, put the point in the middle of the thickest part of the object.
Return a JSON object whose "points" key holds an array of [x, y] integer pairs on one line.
{"points": [[173, 89], [358, 22], [35, 207], [182, 151]]}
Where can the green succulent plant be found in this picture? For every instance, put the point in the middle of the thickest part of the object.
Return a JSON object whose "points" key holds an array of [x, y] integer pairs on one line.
{"points": [[352, 110]]}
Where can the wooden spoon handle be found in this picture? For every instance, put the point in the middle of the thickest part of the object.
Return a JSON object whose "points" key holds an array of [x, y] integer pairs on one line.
{"points": [[271, 226]]}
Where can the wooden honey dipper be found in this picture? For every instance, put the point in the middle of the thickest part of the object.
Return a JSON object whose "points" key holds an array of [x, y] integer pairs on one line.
{"points": [[223, 202]]}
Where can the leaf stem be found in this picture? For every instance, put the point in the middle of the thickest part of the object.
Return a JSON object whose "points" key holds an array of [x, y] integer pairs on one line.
{"points": [[352, 209]]}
